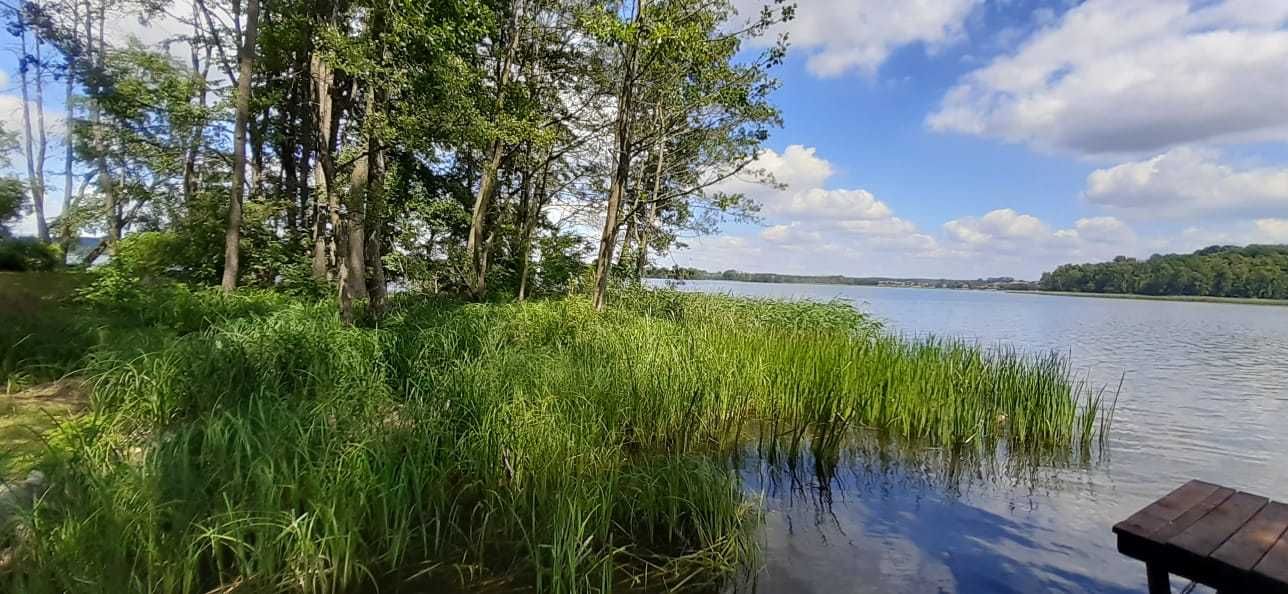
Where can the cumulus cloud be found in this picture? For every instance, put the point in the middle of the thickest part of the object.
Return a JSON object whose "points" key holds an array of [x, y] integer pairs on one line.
{"points": [[841, 36], [1272, 230], [998, 228], [1008, 233], [814, 212], [1134, 76], [1189, 183]]}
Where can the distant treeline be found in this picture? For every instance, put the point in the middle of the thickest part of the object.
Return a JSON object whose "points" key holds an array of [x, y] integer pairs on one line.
{"points": [[681, 273], [1255, 271]]}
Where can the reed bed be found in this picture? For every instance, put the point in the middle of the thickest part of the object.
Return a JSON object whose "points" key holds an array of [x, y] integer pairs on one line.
{"points": [[273, 449]]}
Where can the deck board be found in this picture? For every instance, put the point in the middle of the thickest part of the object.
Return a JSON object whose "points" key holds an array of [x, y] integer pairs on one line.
{"points": [[1273, 567], [1230, 540], [1246, 548], [1158, 514], [1215, 528], [1192, 515]]}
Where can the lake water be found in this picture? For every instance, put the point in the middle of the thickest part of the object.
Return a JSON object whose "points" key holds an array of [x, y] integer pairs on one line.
{"points": [[1204, 395]]}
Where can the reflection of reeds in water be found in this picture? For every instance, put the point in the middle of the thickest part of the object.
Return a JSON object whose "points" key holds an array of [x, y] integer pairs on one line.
{"points": [[871, 458], [570, 449]]}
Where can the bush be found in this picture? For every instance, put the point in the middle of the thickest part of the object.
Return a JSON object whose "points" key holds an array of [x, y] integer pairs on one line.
{"points": [[29, 255]]}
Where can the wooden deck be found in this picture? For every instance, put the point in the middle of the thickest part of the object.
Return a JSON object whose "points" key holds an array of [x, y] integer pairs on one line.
{"points": [[1216, 536]]}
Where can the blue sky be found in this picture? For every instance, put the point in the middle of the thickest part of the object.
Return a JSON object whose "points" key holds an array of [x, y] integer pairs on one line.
{"points": [[970, 138], [966, 138]]}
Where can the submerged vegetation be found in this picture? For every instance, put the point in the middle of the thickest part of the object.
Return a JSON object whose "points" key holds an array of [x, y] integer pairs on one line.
{"points": [[255, 442]]}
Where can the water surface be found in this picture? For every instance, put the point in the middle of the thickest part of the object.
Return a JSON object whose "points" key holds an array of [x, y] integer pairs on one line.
{"points": [[1205, 395]]}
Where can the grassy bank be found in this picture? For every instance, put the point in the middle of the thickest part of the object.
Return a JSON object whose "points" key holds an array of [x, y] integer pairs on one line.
{"points": [[255, 444], [1183, 298]]}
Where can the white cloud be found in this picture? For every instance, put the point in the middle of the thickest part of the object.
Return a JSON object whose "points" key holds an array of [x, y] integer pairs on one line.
{"points": [[1188, 183], [1133, 76], [1272, 230], [1103, 230], [858, 35], [1001, 225], [832, 204]]}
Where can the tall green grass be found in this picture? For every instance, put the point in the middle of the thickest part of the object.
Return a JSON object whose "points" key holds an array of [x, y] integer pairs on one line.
{"points": [[266, 447]]}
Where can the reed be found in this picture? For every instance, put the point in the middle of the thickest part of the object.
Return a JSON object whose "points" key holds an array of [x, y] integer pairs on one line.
{"points": [[265, 446]]}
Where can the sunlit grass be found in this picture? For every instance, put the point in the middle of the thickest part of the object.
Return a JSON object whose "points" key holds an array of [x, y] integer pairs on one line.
{"points": [[278, 450]]}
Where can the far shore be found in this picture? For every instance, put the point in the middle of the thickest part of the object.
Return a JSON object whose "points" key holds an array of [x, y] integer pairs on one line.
{"points": [[1191, 298]]}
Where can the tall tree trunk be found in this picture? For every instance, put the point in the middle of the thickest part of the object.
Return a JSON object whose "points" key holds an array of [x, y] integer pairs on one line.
{"points": [[245, 69], [353, 278], [64, 223], [323, 166], [622, 169], [477, 244], [650, 211], [376, 287], [42, 142], [35, 157], [530, 218], [105, 185], [628, 238]]}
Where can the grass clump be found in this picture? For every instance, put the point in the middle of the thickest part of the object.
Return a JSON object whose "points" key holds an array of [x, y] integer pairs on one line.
{"points": [[260, 445]]}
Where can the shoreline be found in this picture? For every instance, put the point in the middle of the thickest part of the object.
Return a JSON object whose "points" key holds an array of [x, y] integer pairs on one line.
{"points": [[1179, 298]]}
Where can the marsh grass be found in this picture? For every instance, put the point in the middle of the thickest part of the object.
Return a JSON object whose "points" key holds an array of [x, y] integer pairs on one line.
{"points": [[254, 444]]}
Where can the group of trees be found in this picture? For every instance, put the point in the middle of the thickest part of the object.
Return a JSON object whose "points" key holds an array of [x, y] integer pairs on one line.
{"points": [[681, 273], [1255, 271], [346, 143]]}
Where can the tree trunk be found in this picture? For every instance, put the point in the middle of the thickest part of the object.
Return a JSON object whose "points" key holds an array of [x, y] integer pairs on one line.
{"points": [[323, 167], [641, 262], [353, 285], [629, 237], [245, 69], [376, 287], [64, 225], [376, 100], [531, 217], [105, 185], [621, 172], [195, 136], [477, 245], [650, 211], [42, 142], [34, 156], [353, 280]]}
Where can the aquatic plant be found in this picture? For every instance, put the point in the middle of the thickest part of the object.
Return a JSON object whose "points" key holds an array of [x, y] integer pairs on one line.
{"points": [[278, 449]]}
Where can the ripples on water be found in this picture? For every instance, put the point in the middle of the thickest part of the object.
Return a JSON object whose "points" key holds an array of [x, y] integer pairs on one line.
{"points": [[1205, 395]]}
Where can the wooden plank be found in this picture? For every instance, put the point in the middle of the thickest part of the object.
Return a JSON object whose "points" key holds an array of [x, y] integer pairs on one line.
{"points": [[1192, 515], [1171, 506], [1216, 527], [1273, 567], [1246, 548]]}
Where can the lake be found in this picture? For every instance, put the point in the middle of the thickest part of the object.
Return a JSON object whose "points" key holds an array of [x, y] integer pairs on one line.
{"points": [[1204, 395]]}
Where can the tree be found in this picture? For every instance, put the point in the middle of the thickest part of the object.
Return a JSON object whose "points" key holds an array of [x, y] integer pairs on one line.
{"points": [[245, 69], [677, 66], [31, 71]]}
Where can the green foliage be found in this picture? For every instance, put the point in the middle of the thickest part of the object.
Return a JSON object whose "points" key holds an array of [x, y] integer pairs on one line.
{"points": [[27, 254], [1255, 271], [42, 336], [13, 195], [275, 448]]}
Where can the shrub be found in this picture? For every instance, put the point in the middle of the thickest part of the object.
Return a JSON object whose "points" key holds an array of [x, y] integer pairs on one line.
{"points": [[28, 255]]}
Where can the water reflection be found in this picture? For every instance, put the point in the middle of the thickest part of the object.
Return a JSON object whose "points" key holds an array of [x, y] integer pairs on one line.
{"points": [[891, 518], [1205, 396]]}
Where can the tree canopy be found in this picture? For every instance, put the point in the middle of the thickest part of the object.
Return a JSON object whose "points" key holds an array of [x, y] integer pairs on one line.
{"points": [[478, 146], [1254, 272]]}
